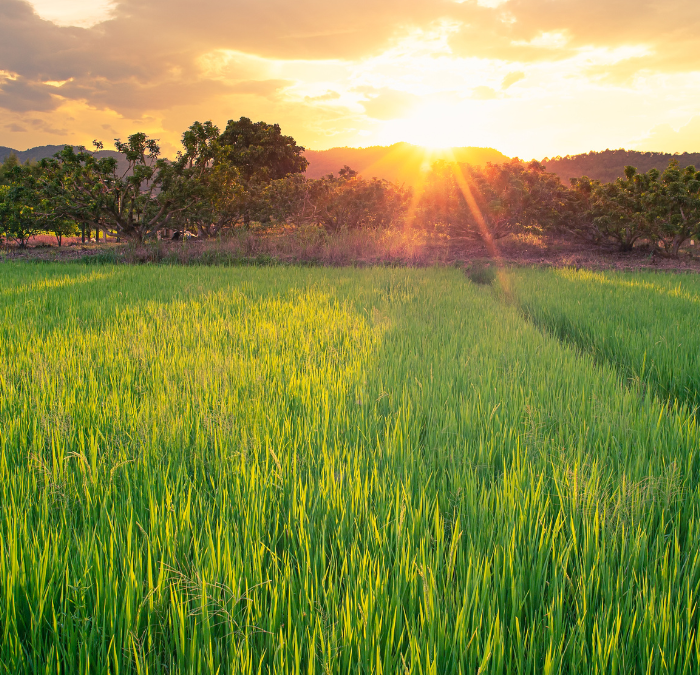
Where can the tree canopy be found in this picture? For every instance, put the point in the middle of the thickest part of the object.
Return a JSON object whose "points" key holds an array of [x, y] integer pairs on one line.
{"points": [[260, 151], [252, 175]]}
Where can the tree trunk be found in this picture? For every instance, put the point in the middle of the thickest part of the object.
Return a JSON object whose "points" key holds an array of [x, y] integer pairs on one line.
{"points": [[83, 229], [675, 246]]}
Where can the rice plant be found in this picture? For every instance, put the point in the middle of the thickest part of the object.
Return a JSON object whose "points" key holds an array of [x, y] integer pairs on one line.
{"points": [[646, 324], [284, 470]]}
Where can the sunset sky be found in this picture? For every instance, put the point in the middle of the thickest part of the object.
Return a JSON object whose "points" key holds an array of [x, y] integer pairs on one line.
{"points": [[532, 78]]}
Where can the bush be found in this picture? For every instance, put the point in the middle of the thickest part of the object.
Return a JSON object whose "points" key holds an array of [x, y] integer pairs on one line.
{"points": [[102, 258], [483, 274]]}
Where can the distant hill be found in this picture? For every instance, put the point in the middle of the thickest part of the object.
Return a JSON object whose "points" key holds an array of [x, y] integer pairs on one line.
{"points": [[608, 165], [404, 163], [398, 163], [44, 151]]}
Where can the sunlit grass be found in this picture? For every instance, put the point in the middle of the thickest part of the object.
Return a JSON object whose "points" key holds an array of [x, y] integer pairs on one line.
{"points": [[646, 324], [282, 470]]}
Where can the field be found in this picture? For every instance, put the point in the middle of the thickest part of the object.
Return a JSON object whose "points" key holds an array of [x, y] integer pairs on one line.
{"points": [[288, 470], [644, 324]]}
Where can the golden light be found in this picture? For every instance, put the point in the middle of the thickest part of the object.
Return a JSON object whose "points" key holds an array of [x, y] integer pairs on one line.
{"points": [[439, 126]]}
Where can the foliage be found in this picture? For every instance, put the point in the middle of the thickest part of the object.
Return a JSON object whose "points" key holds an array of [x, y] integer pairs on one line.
{"points": [[223, 179], [9, 163], [331, 471], [76, 184], [252, 174], [489, 203], [208, 189], [675, 206], [481, 274], [22, 213], [616, 212], [62, 227], [658, 207], [136, 202], [642, 323], [343, 202], [260, 152]]}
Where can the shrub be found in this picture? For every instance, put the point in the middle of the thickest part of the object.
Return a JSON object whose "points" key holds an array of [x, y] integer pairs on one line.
{"points": [[483, 274]]}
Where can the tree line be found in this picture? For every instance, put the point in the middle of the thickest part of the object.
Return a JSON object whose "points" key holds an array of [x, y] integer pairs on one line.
{"points": [[661, 208], [251, 175]]}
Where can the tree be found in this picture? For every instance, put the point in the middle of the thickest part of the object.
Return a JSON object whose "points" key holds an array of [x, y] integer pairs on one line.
{"points": [[136, 203], [4, 190], [70, 182], [343, 202], [620, 209], [62, 227], [207, 187], [9, 163], [260, 152], [675, 205], [21, 208], [473, 203]]}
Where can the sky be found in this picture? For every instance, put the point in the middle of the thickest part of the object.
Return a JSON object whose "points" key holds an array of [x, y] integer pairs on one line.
{"points": [[531, 78]]}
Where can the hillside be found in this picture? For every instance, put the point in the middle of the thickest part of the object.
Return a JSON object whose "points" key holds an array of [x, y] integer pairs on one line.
{"points": [[404, 163], [398, 163], [44, 151], [608, 165]]}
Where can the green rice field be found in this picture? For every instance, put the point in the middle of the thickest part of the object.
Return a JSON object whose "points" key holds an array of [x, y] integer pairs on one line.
{"points": [[289, 470]]}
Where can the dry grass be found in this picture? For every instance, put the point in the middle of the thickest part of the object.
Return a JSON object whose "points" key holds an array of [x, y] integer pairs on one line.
{"points": [[312, 245]]}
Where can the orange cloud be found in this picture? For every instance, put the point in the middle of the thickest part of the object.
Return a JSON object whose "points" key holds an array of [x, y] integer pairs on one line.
{"points": [[338, 73]]}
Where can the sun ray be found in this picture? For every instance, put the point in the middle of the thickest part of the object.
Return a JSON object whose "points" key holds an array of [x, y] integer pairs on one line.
{"points": [[487, 238]]}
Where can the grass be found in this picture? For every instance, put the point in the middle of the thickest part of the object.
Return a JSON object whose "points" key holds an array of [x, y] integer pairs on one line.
{"points": [[302, 245], [291, 470], [645, 324]]}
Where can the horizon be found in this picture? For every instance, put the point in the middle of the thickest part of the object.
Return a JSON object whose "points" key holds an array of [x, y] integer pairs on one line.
{"points": [[426, 149], [526, 78]]}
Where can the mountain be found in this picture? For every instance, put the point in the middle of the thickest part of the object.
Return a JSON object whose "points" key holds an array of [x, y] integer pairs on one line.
{"points": [[405, 163], [44, 151], [608, 165], [398, 163], [32, 155]]}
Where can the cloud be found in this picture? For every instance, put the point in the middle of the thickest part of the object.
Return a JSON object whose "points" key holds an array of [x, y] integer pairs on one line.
{"points": [[540, 30], [328, 96], [484, 93], [21, 95], [511, 78], [158, 65], [389, 104], [260, 87], [16, 128], [84, 13]]}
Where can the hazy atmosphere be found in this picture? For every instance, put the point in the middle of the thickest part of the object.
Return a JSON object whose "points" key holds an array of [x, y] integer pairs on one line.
{"points": [[531, 78]]}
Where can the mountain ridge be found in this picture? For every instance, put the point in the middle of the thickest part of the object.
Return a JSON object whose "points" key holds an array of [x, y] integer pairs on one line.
{"points": [[405, 163], [398, 163], [608, 165]]}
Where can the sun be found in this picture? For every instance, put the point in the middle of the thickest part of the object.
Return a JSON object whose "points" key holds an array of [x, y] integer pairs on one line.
{"points": [[435, 127]]}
